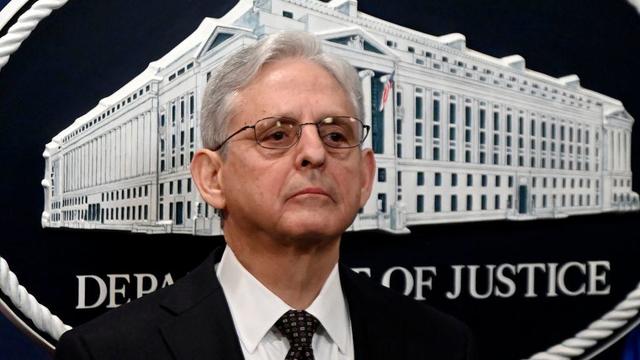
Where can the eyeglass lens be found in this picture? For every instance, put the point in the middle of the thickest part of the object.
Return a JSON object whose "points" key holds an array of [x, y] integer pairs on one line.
{"points": [[335, 131]]}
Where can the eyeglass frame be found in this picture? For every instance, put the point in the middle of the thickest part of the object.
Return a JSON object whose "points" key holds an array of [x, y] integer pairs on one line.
{"points": [[365, 129]]}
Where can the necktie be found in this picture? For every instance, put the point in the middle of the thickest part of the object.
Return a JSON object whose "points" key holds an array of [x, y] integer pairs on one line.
{"points": [[298, 327]]}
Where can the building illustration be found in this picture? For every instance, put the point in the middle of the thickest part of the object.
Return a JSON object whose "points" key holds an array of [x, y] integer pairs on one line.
{"points": [[463, 136]]}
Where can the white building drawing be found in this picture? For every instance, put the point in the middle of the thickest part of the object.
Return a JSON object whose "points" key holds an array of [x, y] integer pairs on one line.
{"points": [[463, 137]]}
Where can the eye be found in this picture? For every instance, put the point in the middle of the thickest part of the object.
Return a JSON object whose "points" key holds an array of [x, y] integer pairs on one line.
{"points": [[276, 133], [335, 136]]}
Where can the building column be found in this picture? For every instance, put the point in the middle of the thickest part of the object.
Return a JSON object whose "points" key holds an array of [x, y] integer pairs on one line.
{"points": [[365, 80]]}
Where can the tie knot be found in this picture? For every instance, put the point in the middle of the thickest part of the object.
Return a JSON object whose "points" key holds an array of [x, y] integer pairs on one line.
{"points": [[298, 326]]}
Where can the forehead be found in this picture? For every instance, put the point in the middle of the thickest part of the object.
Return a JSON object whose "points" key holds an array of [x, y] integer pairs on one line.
{"points": [[293, 87]]}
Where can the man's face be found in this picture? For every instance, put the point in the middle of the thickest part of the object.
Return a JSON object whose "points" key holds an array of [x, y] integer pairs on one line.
{"points": [[308, 192]]}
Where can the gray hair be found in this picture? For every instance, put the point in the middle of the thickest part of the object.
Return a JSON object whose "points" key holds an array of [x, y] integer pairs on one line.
{"points": [[241, 68]]}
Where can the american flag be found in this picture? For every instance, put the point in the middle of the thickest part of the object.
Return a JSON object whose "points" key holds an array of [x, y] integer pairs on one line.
{"points": [[388, 86]]}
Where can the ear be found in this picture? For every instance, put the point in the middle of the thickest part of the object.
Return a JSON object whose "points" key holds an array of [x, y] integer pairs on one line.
{"points": [[367, 172], [206, 171]]}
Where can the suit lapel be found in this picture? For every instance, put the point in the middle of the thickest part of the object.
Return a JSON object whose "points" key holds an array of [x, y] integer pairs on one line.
{"points": [[202, 327], [357, 312]]}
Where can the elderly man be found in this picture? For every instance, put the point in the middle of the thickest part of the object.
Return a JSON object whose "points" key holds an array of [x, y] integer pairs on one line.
{"points": [[284, 166]]}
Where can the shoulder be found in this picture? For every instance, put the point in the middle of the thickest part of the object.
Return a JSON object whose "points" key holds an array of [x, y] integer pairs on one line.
{"points": [[135, 328], [117, 331], [417, 327]]}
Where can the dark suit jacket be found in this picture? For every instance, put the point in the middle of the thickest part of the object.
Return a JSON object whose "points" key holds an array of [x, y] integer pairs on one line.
{"points": [[191, 320]]}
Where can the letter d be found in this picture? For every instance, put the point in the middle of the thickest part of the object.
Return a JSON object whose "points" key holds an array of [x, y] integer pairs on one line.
{"points": [[82, 291]]}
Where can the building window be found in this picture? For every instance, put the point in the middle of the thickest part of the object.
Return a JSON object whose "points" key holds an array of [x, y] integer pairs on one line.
{"points": [[287, 14], [382, 202], [469, 202], [418, 152], [497, 181], [437, 203], [437, 181], [420, 178], [467, 116], [436, 110], [382, 175], [418, 129], [454, 179], [496, 202], [483, 180], [399, 178], [419, 107], [420, 203], [483, 202], [454, 202], [452, 113], [436, 153]]}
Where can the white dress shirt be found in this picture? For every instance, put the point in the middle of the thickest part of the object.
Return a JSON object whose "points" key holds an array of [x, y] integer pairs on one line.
{"points": [[255, 309]]}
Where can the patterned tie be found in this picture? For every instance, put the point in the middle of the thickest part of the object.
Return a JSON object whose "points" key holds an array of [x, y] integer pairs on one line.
{"points": [[298, 326]]}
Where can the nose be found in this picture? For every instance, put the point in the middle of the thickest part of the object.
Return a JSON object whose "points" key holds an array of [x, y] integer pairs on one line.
{"points": [[311, 152]]}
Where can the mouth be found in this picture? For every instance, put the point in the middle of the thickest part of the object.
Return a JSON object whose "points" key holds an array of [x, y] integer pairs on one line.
{"points": [[311, 191]]}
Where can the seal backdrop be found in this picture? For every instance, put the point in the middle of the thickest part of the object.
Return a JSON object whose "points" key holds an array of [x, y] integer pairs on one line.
{"points": [[82, 53]]}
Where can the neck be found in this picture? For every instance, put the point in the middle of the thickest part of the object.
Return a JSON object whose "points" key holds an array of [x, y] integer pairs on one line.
{"points": [[295, 274]]}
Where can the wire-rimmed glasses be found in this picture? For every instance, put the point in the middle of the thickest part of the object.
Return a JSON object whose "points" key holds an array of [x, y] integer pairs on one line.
{"points": [[280, 132]]}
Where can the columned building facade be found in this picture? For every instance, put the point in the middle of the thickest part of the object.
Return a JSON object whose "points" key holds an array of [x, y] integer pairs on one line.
{"points": [[463, 136]]}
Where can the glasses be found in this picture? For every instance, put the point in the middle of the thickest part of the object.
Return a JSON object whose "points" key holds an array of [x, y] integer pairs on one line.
{"points": [[340, 132]]}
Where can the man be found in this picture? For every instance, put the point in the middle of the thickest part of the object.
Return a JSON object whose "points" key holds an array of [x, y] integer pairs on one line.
{"points": [[284, 166]]}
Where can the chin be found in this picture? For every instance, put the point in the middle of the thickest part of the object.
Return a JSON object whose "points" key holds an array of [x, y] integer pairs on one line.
{"points": [[314, 232]]}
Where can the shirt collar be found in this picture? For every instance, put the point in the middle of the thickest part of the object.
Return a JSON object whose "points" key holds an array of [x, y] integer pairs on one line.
{"points": [[255, 309], [330, 308]]}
